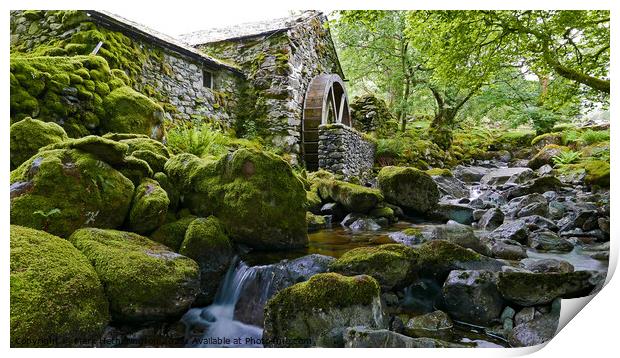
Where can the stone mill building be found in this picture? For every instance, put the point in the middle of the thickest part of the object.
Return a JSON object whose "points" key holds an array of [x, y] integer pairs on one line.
{"points": [[280, 80]]}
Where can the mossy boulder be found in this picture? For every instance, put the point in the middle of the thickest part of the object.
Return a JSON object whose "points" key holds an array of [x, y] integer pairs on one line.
{"points": [[315, 222], [391, 264], [255, 194], [62, 190], [409, 188], [56, 296], [28, 135], [148, 208], [151, 151], [128, 111], [316, 312], [548, 138], [172, 234], [144, 281], [352, 197], [135, 169], [597, 172], [107, 150], [545, 155], [206, 243]]}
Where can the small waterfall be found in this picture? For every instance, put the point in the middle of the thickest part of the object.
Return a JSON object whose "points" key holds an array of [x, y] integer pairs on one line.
{"points": [[215, 326]]}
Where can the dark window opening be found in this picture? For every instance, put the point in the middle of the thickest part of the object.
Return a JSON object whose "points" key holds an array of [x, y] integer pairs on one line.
{"points": [[207, 79]]}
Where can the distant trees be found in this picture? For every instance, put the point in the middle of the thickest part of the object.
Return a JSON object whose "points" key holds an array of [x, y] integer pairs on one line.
{"points": [[559, 58]]}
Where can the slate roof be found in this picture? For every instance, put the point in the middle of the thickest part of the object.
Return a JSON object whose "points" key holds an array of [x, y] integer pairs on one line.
{"points": [[130, 28], [245, 30]]}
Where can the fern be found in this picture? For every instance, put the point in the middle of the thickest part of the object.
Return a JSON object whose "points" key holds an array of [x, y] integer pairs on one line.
{"points": [[567, 157]]}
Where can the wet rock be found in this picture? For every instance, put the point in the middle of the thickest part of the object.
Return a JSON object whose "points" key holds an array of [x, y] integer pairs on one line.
{"points": [[460, 213], [409, 188], [317, 222], [451, 186], [505, 175], [469, 174], [549, 241], [540, 209], [472, 297], [361, 337], [148, 207], [409, 237], [546, 265], [537, 222], [459, 234], [270, 279], [491, 219], [545, 156], [530, 289], [544, 170], [525, 315], [514, 230], [436, 324], [556, 209], [391, 265], [538, 185], [364, 224], [507, 250], [342, 302], [143, 280], [536, 331], [597, 251], [533, 202]]}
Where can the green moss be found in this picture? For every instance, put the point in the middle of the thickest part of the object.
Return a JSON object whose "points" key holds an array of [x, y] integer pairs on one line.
{"points": [[410, 188], [143, 280], [390, 264], [323, 291], [514, 140], [55, 292], [597, 172], [444, 253], [353, 197], [549, 138], [383, 212], [172, 234], [135, 169], [62, 190], [259, 199], [439, 172], [205, 239], [128, 111], [545, 155], [107, 150], [313, 201], [28, 135], [148, 208], [412, 231]]}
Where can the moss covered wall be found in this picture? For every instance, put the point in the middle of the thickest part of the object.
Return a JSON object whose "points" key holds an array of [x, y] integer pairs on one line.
{"points": [[279, 67], [172, 79]]}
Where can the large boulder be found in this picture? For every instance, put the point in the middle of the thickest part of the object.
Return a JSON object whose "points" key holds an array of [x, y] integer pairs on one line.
{"points": [[148, 208], [409, 188], [352, 198], [62, 190], [317, 312], [530, 289], [472, 297], [144, 281], [545, 155], [127, 111], [270, 279], [56, 297], [390, 264], [28, 135], [206, 243], [255, 194], [449, 185], [506, 175], [462, 235]]}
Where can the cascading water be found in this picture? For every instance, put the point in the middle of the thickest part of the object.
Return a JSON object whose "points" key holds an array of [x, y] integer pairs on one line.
{"points": [[215, 326]]}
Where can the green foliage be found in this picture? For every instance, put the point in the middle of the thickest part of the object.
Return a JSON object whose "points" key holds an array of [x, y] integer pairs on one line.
{"points": [[567, 157], [591, 137], [203, 141], [542, 120]]}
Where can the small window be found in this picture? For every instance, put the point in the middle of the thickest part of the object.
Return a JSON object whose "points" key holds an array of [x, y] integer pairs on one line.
{"points": [[207, 79]]}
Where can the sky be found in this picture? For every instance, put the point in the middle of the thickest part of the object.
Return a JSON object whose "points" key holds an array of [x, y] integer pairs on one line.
{"points": [[176, 21]]}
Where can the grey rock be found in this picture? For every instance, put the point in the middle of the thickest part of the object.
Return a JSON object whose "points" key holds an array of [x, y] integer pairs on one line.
{"points": [[459, 234], [469, 174], [491, 220], [525, 315], [472, 297], [546, 265], [504, 175], [436, 324], [514, 230], [549, 241], [361, 337], [451, 186], [534, 332], [460, 213]]}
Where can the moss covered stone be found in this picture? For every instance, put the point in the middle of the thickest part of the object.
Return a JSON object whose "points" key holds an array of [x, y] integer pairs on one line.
{"points": [[545, 155], [148, 208], [28, 135], [314, 312], [128, 111], [409, 188], [143, 280], [353, 198], [62, 190], [135, 169], [206, 242], [548, 138], [391, 264], [56, 296], [255, 194], [315, 222], [439, 172], [172, 234], [107, 150]]}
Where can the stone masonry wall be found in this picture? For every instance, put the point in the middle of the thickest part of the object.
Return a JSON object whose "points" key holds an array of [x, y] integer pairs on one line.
{"points": [[279, 68], [172, 79], [343, 150]]}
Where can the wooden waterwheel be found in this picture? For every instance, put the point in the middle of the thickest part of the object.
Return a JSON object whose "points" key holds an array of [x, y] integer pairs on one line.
{"points": [[325, 102]]}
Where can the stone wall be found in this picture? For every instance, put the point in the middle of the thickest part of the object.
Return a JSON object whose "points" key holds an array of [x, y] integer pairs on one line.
{"points": [[343, 150], [172, 79], [279, 67]]}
